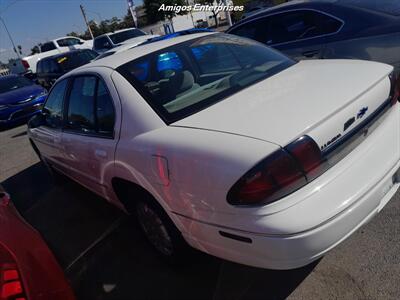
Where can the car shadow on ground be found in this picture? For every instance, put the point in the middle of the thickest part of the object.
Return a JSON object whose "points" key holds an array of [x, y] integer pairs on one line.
{"points": [[105, 256]]}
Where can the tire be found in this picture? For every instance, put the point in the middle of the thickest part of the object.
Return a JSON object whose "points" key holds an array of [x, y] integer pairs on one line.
{"points": [[161, 232]]}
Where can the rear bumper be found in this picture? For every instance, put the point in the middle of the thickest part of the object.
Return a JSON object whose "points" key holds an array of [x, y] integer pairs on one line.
{"points": [[297, 250], [323, 213]]}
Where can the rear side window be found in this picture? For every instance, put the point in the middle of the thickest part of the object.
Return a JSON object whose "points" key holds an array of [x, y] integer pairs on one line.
{"points": [[48, 47], [53, 109], [104, 110], [68, 42], [90, 107], [102, 43], [289, 27]]}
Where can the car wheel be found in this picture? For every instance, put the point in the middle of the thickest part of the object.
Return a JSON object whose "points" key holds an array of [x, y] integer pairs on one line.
{"points": [[161, 232]]}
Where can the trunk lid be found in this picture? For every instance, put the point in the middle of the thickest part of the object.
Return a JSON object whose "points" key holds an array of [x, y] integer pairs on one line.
{"points": [[324, 99]]}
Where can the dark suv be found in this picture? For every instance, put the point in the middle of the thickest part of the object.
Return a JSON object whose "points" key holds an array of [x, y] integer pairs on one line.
{"points": [[49, 69]]}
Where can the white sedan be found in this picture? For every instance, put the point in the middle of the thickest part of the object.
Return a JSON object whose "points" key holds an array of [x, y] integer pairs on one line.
{"points": [[221, 143]]}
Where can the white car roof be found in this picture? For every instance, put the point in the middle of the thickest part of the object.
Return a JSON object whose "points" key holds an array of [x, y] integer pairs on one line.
{"points": [[120, 58]]}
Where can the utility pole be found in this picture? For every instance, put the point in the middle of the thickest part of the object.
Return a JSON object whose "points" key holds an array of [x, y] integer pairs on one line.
{"points": [[87, 24], [9, 35], [228, 14], [132, 9]]}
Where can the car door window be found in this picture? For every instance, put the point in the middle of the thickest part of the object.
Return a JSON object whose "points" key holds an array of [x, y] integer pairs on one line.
{"points": [[90, 107], [102, 43], [289, 27], [48, 47], [53, 108], [81, 104], [253, 30], [299, 25]]}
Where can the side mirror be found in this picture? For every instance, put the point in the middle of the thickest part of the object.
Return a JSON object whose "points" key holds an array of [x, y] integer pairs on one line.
{"points": [[81, 42], [37, 120]]}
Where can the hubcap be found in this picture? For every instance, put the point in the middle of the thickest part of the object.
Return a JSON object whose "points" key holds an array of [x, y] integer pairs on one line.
{"points": [[154, 229]]}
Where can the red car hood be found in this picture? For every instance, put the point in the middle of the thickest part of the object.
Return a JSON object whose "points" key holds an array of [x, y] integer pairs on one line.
{"points": [[42, 278]]}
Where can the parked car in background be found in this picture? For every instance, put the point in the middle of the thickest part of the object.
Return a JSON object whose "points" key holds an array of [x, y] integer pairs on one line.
{"points": [[28, 269], [60, 45], [253, 10], [353, 29], [131, 36], [49, 69], [151, 40], [20, 99], [226, 144]]}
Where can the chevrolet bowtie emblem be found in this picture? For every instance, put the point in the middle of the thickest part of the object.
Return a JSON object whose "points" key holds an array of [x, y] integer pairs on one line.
{"points": [[362, 112]]}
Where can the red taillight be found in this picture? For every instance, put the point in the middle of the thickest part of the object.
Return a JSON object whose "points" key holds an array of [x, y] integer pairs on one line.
{"points": [[273, 178], [394, 89], [10, 281], [280, 174], [307, 153], [25, 64], [4, 198]]}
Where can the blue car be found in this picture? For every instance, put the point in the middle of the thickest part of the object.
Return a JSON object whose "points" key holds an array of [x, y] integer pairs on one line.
{"points": [[329, 29], [20, 99]]}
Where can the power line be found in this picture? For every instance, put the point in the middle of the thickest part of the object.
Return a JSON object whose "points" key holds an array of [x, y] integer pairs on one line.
{"points": [[8, 6]]}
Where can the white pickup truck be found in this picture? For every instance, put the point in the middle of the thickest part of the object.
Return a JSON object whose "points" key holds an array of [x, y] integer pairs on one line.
{"points": [[60, 45]]}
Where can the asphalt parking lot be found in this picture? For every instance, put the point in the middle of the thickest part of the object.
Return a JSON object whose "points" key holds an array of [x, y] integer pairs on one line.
{"points": [[105, 256]]}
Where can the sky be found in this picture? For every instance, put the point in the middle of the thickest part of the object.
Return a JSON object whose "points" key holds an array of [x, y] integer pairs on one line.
{"points": [[33, 21]]}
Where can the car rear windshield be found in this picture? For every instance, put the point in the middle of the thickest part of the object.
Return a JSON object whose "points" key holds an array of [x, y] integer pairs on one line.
{"points": [[76, 59], [391, 7], [13, 83], [185, 78], [120, 37]]}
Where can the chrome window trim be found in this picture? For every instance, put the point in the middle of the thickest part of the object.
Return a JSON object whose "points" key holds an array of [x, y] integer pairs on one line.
{"points": [[294, 10]]}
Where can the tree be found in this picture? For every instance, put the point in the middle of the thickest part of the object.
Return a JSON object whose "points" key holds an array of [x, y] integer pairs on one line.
{"points": [[154, 14], [127, 20], [35, 49], [237, 15], [211, 3], [73, 33]]}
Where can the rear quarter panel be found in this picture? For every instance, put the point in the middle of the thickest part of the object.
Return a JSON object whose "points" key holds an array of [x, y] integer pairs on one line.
{"points": [[383, 48], [202, 166]]}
